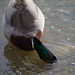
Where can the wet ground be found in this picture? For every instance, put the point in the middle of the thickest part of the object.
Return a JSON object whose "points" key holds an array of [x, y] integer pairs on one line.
{"points": [[59, 37]]}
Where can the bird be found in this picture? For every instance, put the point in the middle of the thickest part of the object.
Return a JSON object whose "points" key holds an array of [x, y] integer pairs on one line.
{"points": [[23, 24]]}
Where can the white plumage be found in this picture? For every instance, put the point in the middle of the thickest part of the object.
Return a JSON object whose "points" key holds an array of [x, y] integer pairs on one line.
{"points": [[17, 15]]}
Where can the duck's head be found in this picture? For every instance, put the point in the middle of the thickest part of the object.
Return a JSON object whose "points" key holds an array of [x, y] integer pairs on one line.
{"points": [[31, 44], [43, 52]]}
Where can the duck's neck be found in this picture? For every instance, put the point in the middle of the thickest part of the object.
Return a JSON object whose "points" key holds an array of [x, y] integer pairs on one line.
{"points": [[44, 53]]}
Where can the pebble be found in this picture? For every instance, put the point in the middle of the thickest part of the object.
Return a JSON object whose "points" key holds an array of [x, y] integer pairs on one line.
{"points": [[17, 71], [73, 63], [59, 30], [52, 26], [68, 39]]}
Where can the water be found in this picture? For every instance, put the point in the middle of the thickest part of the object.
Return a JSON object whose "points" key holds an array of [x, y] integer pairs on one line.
{"points": [[59, 37]]}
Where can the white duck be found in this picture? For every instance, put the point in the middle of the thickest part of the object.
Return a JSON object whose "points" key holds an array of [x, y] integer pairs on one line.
{"points": [[23, 25]]}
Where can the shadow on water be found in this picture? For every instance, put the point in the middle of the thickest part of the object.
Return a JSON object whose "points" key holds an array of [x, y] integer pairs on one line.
{"points": [[25, 62]]}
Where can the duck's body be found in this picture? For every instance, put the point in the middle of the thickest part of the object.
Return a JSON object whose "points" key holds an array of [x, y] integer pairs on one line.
{"points": [[23, 19], [22, 22]]}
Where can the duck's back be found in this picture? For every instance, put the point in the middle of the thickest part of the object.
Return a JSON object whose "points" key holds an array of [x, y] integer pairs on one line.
{"points": [[22, 17]]}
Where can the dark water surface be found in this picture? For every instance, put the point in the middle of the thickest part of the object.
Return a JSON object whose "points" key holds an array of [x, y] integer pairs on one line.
{"points": [[59, 37]]}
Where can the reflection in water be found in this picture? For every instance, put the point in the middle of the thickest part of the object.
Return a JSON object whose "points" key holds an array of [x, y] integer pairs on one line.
{"points": [[25, 61]]}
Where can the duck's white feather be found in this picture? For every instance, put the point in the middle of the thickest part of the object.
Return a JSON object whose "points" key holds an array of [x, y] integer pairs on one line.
{"points": [[32, 8]]}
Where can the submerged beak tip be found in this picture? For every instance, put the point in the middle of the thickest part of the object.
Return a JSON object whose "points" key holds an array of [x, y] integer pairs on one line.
{"points": [[51, 60]]}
